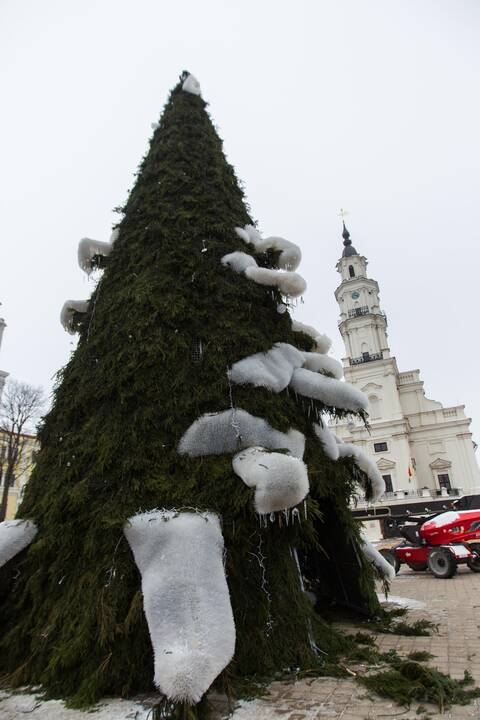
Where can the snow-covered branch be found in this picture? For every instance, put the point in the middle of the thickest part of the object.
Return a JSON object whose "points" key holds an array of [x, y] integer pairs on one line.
{"points": [[67, 315], [280, 481], [317, 362], [331, 392], [233, 430], [372, 554], [322, 342], [272, 369], [88, 249], [185, 598], [288, 283], [290, 254], [191, 85]]}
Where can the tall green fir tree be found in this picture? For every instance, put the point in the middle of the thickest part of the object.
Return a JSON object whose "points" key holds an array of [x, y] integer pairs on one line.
{"points": [[188, 490]]}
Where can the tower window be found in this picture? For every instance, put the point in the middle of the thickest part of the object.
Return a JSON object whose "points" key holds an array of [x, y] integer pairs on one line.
{"points": [[380, 447], [388, 483], [444, 481], [351, 271]]}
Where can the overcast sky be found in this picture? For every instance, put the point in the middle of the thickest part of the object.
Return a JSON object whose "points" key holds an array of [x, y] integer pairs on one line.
{"points": [[369, 105]]}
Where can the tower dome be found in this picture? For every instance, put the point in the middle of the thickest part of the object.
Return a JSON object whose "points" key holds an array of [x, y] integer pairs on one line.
{"points": [[348, 249]]}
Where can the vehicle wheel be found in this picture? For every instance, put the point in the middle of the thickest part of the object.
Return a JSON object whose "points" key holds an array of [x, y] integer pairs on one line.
{"points": [[417, 566], [474, 563], [390, 557], [442, 564]]}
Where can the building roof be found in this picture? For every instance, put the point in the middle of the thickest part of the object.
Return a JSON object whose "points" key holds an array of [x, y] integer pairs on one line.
{"points": [[348, 249]]}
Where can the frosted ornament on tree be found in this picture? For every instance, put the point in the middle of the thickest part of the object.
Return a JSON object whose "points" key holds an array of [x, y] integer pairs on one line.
{"points": [[280, 481], [289, 283], [377, 559], [15, 535], [191, 85], [317, 362], [331, 392], [272, 369], [88, 249], [70, 307], [185, 597], [225, 433], [238, 261], [322, 342]]}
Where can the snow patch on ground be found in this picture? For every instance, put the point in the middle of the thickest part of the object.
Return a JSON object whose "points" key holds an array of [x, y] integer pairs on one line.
{"points": [[265, 710], [15, 535], [22, 705], [403, 602]]}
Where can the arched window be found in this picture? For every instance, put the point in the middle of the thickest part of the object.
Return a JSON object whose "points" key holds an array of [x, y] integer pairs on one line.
{"points": [[351, 271]]}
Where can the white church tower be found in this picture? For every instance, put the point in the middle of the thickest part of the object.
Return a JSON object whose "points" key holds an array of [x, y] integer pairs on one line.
{"points": [[422, 449]]}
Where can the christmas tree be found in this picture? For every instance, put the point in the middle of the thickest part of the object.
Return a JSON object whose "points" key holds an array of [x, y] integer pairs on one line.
{"points": [[187, 487]]}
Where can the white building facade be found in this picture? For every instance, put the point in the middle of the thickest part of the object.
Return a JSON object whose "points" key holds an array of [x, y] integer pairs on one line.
{"points": [[423, 450]]}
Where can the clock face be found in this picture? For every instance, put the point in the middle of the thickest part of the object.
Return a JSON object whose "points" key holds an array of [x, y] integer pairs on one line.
{"points": [[355, 295]]}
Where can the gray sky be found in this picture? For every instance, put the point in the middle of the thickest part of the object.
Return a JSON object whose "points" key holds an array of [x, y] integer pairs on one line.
{"points": [[370, 105]]}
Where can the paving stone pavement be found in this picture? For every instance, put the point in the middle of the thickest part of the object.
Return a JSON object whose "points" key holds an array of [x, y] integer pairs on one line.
{"points": [[454, 604]]}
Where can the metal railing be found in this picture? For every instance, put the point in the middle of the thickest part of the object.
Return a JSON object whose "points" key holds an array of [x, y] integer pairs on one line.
{"points": [[366, 357], [425, 493], [358, 311]]}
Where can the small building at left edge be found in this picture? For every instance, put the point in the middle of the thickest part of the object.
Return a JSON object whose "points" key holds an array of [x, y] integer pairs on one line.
{"points": [[24, 462], [22, 470]]}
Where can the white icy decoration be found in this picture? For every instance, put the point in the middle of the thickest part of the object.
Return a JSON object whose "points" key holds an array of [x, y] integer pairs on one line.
{"points": [[316, 362], [225, 433], [366, 464], [242, 234], [280, 481], [238, 261], [335, 448], [88, 248], [289, 283], [272, 369], [15, 535], [114, 236], [70, 307], [334, 393], [290, 254], [322, 342], [191, 85], [252, 233], [370, 552], [185, 598], [328, 440]]}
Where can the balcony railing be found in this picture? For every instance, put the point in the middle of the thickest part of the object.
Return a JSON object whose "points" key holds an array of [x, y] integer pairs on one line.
{"points": [[425, 493], [366, 357], [358, 311]]}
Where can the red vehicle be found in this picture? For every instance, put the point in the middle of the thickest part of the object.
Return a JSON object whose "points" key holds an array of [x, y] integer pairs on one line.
{"points": [[438, 542]]}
